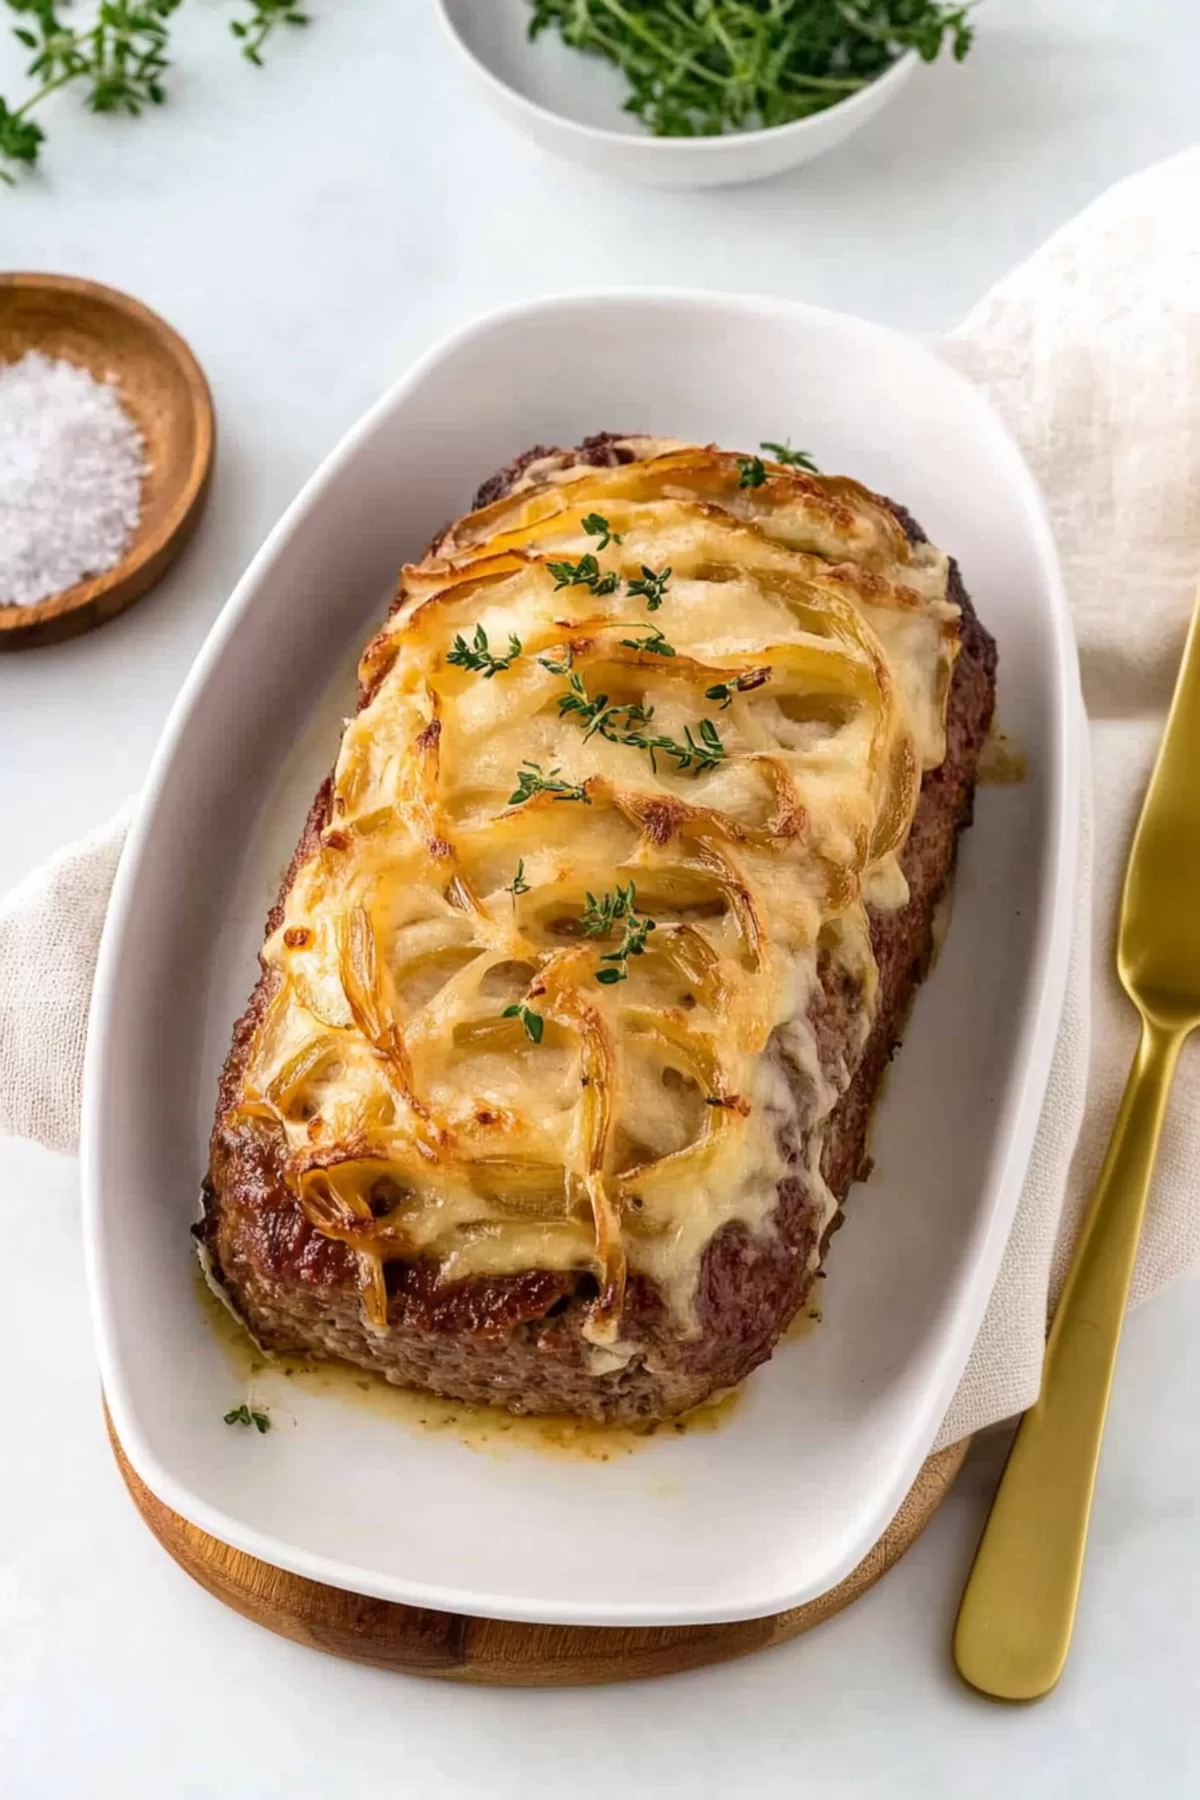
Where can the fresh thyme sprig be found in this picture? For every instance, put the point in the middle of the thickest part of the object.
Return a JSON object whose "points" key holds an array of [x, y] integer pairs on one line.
{"points": [[594, 714], [703, 755], [518, 884], [118, 60], [652, 587], [477, 657], [600, 917], [531, 781], [791, 459], [120, 57], [595, 526], [654, 645], [265, 17], [20, 138], [728, 65], [751, 471], [584, 573], [245, 1415], [724, 691], [533, 1022], [622, 724]]}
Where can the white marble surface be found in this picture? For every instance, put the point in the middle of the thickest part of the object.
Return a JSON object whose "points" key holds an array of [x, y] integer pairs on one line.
{"points": [[310, 228]]}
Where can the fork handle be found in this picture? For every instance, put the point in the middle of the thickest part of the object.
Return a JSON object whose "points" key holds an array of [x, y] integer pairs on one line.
{"points": [[1014, 1625]]}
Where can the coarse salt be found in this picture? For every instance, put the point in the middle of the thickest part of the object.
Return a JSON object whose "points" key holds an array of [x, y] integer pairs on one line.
{"points": [[71, 468]]}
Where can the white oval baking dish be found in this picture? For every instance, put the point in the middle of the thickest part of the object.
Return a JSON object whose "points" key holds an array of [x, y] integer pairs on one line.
{"points": [[789, 1495]]}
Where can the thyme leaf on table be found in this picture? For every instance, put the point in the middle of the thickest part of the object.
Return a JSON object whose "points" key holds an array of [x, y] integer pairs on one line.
{"points": [[265, 17], [116, 61], [20, 140]]}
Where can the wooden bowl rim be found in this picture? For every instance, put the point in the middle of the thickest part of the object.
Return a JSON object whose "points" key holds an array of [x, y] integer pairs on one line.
{"points": [[144, 548]]}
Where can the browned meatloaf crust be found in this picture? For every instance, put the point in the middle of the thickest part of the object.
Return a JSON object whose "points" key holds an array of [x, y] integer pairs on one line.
{"points": [[516, 1340]]}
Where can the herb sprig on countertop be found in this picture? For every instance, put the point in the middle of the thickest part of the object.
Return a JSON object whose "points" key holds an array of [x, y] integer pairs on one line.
{"points": [[699, 69], [117, 60], [265, 17]]}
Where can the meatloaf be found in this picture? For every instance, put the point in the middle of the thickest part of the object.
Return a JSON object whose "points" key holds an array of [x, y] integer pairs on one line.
{"points": [[558, 1295]]}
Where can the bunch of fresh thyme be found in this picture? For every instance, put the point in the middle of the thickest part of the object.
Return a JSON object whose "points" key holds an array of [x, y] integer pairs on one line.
{"points": [[697, 68], [117, 60]]}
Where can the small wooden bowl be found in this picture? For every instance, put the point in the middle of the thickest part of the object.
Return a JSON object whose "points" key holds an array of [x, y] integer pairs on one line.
{"points": [[162, 387]]}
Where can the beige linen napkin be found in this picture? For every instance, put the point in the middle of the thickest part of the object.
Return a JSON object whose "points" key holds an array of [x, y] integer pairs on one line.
{"points": [[1091, 352], [50, 929]]}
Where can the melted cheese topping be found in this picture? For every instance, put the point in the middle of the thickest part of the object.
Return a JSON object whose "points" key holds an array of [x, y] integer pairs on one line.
{"points": [[463, 1064]]}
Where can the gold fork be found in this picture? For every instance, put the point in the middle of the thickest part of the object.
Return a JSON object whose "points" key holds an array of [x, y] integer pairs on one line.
{"points": [[1014, 1625]]}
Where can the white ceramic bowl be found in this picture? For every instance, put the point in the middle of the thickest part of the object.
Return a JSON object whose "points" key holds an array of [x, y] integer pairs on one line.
{"points": [[572, 104], [804, 1477]]}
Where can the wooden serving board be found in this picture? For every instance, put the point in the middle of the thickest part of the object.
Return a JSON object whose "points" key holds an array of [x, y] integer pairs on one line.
{"points": [[417, 1641]]}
